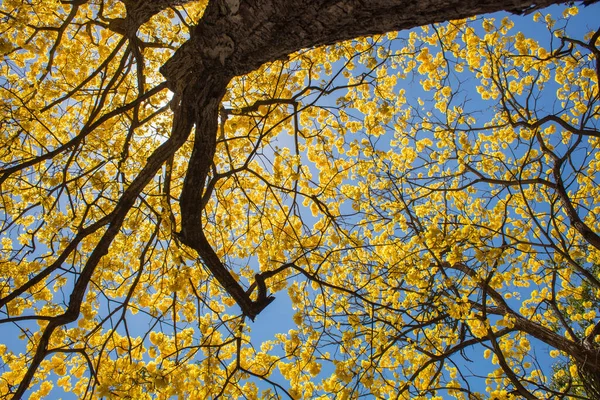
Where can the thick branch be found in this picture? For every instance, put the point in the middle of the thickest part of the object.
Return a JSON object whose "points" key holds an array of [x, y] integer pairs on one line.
{"points": [[590, 357], [242, 39], [139, 12], [207, 97]]}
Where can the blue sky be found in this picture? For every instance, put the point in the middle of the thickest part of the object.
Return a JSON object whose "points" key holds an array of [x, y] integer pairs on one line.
{"points": [[277, 318]]}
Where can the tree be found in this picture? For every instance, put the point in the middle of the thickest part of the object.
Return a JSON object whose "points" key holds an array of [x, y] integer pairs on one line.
{"points": [[160, 161]]}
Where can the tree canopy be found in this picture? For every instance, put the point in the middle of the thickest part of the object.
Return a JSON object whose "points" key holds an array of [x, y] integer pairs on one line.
{"points": [[177, 177]]}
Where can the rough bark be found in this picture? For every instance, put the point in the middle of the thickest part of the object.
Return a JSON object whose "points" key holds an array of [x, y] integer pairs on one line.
{"points": [[241, 39]]}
